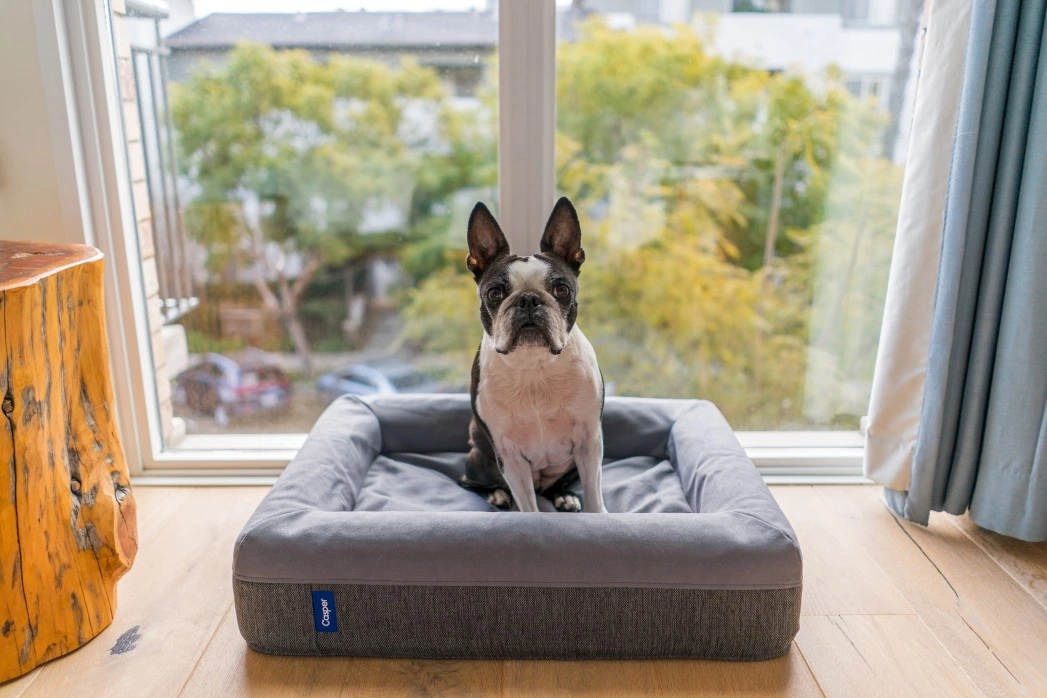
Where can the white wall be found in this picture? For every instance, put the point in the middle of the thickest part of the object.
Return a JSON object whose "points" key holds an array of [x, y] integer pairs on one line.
{"points": [[32, 206], [883, 11], [808, 42]]}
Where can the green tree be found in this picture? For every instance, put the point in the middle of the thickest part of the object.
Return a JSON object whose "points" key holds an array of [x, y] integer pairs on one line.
{"points": [[774, 136], [738, 223], [738, 227], [799, 134], [845, 261], [287, 156], [449, 180]]}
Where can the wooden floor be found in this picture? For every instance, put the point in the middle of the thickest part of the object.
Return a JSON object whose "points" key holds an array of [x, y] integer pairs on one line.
{"points": [[889, 609]]}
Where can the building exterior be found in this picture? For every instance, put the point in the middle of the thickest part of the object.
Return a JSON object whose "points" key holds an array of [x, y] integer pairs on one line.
{"points": [[864, 39], [877, 12], [861, 37], [456, 44]]}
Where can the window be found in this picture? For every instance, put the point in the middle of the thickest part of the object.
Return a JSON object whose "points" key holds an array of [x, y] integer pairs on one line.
{"points": [[856, 9], [305, 172], [760, 5], [741, 202], [877, 12], [871, 87], [310, 175]]}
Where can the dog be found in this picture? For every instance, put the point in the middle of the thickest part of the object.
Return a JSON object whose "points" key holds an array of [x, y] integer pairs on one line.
{"points": [[536, 388]]}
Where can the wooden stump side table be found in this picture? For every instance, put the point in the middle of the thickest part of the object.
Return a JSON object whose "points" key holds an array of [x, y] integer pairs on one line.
{"points": [[67, 515]]}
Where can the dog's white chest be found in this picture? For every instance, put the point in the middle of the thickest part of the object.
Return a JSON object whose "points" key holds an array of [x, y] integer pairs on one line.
{"points": [[540, 406]]}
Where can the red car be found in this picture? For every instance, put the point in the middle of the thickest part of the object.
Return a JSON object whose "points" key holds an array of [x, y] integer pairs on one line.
{"points": [[222, 387]]}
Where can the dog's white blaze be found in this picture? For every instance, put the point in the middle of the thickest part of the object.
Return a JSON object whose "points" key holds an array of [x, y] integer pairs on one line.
{"points": [[528, 274]]}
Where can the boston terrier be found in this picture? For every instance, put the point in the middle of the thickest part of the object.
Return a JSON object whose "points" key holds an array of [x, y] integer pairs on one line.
{"points": [[537, 392]]}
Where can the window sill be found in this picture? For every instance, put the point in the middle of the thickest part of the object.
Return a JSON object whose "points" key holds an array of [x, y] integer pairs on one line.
{"points": [[195, 479], [781, 457]]}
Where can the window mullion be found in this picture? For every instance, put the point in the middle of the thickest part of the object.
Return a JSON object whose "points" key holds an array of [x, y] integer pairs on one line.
{"points": [[527, 118], [90, 80]]}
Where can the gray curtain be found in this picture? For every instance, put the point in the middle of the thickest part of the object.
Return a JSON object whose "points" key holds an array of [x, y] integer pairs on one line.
{"points": [[982, 443]]}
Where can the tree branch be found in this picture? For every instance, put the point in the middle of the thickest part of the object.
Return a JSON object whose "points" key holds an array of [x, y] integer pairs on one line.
{"points": [[312, 265], [269, 299]]}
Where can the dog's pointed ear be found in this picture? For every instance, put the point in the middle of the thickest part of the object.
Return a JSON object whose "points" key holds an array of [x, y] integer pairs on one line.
{"points": [[563, 234], [486, 241]]}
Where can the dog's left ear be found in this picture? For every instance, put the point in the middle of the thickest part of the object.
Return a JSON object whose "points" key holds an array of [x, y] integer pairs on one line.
{"points": [[563, 234]]}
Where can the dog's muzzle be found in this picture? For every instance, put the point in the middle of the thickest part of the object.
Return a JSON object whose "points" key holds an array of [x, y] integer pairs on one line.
{"points": [[530, 321]]}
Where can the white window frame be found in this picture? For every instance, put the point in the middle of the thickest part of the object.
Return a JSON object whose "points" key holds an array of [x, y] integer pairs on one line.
{"points": [[77, 60]]}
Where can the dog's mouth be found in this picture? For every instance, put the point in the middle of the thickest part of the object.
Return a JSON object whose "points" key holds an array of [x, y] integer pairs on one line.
{"points": [[529, 334]]}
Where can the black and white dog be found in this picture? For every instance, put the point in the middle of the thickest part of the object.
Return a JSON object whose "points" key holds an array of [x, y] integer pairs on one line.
{"points": [[536, 388]]}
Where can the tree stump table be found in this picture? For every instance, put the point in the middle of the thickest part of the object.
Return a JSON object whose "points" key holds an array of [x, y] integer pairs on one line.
{"points": [[67, 515]]}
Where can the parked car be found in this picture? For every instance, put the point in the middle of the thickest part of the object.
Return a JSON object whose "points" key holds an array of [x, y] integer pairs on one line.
{"points": [[223, 387], [375, 378]]}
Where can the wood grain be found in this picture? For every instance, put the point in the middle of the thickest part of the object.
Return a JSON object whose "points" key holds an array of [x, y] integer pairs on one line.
{"points": [[839, 577], [1000, 612], [16, 687], [786, 676], [880, 656], [229, 668], [954, 601], [26, 263], [945, 643], [170, 608], [1025, 562], [67, 514]]}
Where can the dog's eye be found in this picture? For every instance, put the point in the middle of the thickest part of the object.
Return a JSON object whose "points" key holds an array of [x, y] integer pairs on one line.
{"points": [[562, 291], [495, 294]]}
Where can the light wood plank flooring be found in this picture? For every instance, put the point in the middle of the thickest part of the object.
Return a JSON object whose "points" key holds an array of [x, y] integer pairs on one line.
{"points": [[889, 609]]}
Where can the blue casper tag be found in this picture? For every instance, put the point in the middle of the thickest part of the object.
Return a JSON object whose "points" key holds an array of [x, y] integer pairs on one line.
{"points": [[324, 618]]}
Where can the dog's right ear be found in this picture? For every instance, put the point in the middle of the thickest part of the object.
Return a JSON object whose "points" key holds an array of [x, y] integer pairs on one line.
{"points": [[486, 241]]}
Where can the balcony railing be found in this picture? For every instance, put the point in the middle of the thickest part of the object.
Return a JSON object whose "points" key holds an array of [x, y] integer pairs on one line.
{"points": [[174, 268]]}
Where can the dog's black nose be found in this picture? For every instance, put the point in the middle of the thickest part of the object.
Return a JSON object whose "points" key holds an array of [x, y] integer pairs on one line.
{"points": [[529, 301]]}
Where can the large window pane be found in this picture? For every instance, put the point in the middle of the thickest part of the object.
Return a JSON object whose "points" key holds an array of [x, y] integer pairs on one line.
{"points": [[738, 174], [298, 178]]}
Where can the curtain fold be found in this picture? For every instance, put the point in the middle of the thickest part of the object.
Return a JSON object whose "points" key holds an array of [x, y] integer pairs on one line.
{"points": [[905, 336], [981, 442], [1010, 490]]}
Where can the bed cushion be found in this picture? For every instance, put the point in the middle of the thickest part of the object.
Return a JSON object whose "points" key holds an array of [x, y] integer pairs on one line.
{"points": [[366, 546]]}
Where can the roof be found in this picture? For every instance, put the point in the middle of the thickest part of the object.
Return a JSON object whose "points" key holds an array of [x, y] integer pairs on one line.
{"points": [[340, 29]]}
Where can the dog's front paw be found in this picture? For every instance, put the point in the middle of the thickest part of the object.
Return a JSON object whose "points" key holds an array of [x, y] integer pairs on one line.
{"points": [[499, 499], [567, 502]]}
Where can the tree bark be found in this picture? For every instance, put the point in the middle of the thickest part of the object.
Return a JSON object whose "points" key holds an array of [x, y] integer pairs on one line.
{"points": [[908, 25], [771, 238], [269, 299], [832, 322], [296, 331], [290, 297], [67, 514]]}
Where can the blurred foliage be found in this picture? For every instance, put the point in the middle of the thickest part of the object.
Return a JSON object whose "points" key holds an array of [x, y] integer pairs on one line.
{"points": [[671, 155], [288, 155], [682, 165], [201, 342]]}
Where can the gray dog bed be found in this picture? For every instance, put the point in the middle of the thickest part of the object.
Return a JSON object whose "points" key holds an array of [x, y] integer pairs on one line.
{"points": [[366, 546]]}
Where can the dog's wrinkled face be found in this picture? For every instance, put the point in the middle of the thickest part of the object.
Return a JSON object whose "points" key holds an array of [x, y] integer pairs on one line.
{"points": [[527, 301]]}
